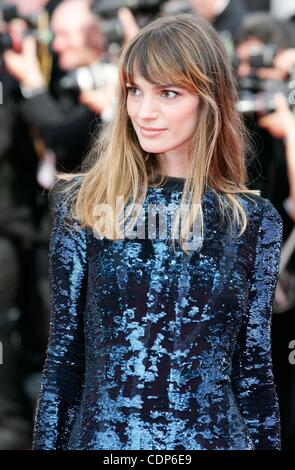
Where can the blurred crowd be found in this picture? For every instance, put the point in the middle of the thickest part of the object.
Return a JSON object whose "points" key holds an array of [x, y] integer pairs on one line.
{"points": [[58, 65]]}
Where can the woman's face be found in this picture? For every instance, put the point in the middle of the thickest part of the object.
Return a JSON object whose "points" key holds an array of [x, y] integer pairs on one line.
{"points": [[164, 117]]}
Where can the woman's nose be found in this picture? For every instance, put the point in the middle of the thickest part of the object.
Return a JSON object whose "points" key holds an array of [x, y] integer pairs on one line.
{"points": [[147, 109]]}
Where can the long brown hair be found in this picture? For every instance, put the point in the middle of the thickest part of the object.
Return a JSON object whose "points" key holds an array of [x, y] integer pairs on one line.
{"points": [[186, 51]]}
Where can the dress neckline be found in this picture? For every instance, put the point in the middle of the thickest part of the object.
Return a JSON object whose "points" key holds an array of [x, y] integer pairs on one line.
{"points": [[170, 182]]}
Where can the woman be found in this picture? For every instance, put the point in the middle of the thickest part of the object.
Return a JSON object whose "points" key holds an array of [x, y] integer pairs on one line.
{"points": [[162, 340]]}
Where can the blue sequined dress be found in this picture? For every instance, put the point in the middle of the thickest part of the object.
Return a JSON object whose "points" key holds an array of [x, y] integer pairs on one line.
{"points": [[151, 349]]}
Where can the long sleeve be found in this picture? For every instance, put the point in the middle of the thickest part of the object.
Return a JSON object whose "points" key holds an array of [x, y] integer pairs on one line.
{"points": [[63, 373], [252, 375]]}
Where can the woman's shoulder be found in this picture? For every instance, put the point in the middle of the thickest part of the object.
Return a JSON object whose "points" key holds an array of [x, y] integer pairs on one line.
{"points": [[263, 217], [62, 194], [62, 204], [258, 205], [255, 205]]}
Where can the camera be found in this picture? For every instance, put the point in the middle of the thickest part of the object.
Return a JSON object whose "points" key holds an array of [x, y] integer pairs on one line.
{"points": [[107, 9], [263, 57], [88, 78], [257, 95], [10, 13], [6, 42], [144, 12]]}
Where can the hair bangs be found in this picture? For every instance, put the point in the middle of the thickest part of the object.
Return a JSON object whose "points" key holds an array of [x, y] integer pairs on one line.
{"points": [[158, 61]]}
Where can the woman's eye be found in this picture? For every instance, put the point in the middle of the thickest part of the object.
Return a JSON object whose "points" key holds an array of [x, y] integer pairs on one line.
{"points": [[169, 94], [132, 90]]}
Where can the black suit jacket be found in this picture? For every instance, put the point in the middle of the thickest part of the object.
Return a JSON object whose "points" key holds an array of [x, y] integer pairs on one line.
{"points": [[65, 126], [18, 165], [230, 19]]}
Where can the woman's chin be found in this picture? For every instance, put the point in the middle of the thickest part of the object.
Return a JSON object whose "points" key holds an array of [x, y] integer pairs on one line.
{"points": [[152, 148]]}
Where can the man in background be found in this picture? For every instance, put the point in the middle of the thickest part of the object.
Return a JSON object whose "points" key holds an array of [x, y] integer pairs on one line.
{"points": [[224, 15]]}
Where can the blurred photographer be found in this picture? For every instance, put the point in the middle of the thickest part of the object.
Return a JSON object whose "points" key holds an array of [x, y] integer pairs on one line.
{"points": [[18, 239], [265, 67], [281, 125], [61, 121], [38, 121], [265, 64], [102, 99], [225, 15]]}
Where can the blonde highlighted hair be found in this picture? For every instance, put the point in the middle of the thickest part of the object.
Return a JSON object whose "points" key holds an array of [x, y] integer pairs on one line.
{"points": [[183, 50]]}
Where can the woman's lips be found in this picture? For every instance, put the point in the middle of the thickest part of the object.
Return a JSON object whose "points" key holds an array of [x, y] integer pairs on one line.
{"points": [[151, 131]]}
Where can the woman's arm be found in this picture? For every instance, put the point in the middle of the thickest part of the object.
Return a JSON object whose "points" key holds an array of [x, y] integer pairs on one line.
{"points": [[252, 376], [63, 374]]}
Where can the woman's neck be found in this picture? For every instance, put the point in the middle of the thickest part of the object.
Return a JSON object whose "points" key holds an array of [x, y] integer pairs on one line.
{"points": [[173, 166]]}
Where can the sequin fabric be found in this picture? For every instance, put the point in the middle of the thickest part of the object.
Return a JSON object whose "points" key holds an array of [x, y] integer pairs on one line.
{"points": [[155, 349]]}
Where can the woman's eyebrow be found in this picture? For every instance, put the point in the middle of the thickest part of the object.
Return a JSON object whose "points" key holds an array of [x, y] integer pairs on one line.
{"points": [[156, 86]]}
